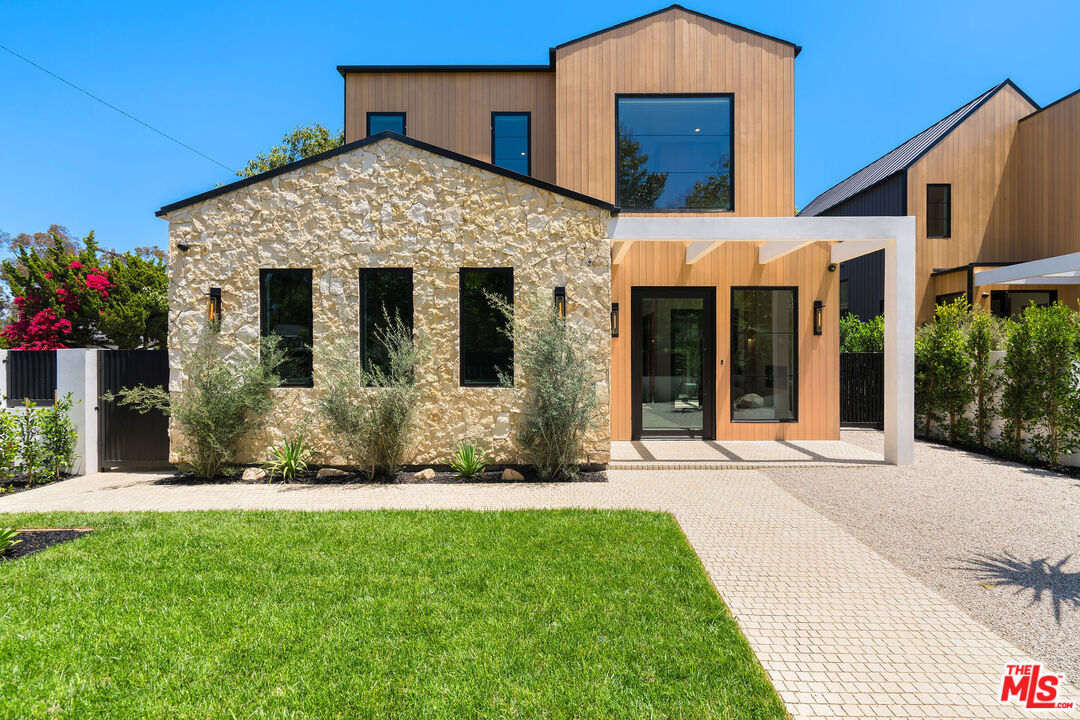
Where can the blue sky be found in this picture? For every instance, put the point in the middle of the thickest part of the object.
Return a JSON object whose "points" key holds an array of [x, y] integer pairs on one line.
{"points": [[230, 78]]}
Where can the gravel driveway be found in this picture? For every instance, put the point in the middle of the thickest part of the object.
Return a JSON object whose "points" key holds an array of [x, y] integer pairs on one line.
{"points": [[1000, 540]]}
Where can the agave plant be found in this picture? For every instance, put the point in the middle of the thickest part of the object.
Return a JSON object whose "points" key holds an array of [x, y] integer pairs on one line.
{"points": [[468, 459], [289, 459], [9, 538]]}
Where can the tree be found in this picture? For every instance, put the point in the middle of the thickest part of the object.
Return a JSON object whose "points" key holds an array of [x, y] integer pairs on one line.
{"points": [[712, 192], [137, 310], [1056, 332], [301, 143], [983, 335], [943, 371], [638, 188], [1019, 395], [859, 336]]}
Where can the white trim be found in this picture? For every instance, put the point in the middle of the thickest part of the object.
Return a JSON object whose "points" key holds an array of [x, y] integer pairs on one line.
{"points": [[698, 249], [1047, 271], [767, 252], [746, 229], [851, 249]]}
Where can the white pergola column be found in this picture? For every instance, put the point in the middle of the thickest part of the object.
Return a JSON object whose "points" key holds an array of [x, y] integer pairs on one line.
{"points": [[77, 373], [900, 350]]}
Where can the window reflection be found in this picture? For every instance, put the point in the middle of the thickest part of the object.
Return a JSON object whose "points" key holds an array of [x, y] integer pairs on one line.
{"points": [[763, 354]]}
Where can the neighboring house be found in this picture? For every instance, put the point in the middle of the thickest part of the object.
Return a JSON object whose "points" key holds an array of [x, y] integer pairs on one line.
{"points": [[645, 175], [992, 185]]}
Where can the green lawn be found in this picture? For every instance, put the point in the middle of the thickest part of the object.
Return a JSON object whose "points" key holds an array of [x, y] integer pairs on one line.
{"points": [[568, 614]]}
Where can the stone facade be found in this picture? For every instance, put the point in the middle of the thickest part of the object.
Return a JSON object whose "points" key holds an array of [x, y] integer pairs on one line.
{"points": [[389, 204]]}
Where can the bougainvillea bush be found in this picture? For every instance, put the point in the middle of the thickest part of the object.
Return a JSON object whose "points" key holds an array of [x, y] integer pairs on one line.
{"points": [[71, 294]]}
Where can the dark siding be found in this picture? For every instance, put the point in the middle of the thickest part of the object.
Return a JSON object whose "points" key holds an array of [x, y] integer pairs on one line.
{"points": [[866, 274]]}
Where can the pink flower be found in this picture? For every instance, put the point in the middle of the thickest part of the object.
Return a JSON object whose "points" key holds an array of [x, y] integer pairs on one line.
{"points": [[75, 264], [48, 275]]}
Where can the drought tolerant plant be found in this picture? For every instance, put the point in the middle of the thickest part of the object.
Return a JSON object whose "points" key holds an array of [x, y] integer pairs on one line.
{"points": [[558, 387], [983, 335], [468, 459], [1019, 394], [58, 436], [222, 400], [289, 459], [859, 336], [370, 413], [9, 538], [942, 372], [1056, 335]]}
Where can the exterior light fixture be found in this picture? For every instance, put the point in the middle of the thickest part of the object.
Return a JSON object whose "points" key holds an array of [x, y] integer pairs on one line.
{"points": [[560, 301], [213, 308], [614, 319], [182, 246], [819, 316]]}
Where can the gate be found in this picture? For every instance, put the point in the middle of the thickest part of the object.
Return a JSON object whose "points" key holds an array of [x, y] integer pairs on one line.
{"points": [[127, 439], [862, 389]]}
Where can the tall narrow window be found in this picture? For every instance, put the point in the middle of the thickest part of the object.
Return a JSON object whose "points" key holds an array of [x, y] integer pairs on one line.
{"points": [[674, 152], [285, 311], [510, 135], [378, 122], [764, 354], [386, 295], [486, 351], [938, 211]]}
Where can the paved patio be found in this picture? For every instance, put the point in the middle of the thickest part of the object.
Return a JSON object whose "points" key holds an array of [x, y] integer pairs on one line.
{"points": [[840, 630], [737, 455]]}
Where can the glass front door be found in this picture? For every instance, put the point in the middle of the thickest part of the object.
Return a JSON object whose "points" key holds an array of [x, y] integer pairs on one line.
{"points": [[673, 361]]}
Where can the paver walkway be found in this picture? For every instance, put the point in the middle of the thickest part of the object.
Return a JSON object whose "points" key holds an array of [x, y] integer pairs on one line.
{"points": [[840, 630]]}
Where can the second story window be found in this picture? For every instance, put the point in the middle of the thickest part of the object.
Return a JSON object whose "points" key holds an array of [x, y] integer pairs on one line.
{"points": [[938, 211], [378, 122], [674, 152], [510, 141]]}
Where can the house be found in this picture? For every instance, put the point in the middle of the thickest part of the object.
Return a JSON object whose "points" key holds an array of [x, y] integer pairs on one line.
{"points": [[993, 186], [644, 175]]}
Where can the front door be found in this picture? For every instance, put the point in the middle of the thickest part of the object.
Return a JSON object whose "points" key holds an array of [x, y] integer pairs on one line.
{"points": [[673, 362]]}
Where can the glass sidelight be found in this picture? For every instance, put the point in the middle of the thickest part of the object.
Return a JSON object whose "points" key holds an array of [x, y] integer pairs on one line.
{"points": [[674, 361]]}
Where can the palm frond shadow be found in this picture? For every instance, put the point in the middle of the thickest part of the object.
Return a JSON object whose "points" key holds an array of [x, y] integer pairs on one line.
{"points": [[1039, 575]]}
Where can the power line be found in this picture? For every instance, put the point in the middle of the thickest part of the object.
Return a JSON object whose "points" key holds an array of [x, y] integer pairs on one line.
{"points": [[110, 105]]}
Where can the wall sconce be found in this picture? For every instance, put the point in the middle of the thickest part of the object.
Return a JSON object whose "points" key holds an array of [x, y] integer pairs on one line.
{"points": [[560, 301], [614, 319], [213, 308], [819, 316]]}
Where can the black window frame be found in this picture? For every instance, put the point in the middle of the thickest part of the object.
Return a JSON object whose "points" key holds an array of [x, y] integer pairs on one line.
{"points": [[262, 315], [401, 113], [528, 137], [949, 298], [615, 166], [948, 210], [461, 344], [999, 296], [734, 340], [362, 319]]}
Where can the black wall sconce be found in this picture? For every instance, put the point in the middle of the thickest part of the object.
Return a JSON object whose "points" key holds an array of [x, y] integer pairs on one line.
{"points": [[213, 308], [614, 319], [819, 316], [560, 301]]}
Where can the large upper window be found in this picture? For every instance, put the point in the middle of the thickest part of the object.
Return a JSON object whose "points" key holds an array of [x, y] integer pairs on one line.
{"points": [[938, 211], [764, 352], [674, 152], [510, 141], [486, 351], [386, 295], [285, 311], [378, 122], [1010, 303]]}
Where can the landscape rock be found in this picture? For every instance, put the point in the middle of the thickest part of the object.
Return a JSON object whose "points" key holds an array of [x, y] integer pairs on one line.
{"points": [[512, 475], [252, 474], [329, 473], [425, 474]]}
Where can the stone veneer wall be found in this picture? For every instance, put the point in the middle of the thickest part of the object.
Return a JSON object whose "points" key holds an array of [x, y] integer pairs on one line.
{"points": [[391, 205]]}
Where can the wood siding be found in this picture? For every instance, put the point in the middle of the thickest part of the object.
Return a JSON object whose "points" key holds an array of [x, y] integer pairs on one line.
{"points": [[735, 264], [973, 159], [453, 109], [678, 52]]}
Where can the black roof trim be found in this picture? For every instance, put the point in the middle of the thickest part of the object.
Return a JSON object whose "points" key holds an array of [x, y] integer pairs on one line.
{"points": [[1047, 107], [676, 6], [434, 149], [904, 155], [343, 69], [945, 271]]}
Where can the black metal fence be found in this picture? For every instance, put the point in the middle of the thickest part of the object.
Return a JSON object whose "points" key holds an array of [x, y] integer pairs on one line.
{"points": [[31, 375], [125, 437], [862, 389]]}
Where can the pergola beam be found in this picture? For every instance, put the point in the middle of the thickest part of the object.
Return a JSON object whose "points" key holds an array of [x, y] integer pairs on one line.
{"points": [[851, 249], [1047, 271], [698, 249], [619, 250], [770, 251]]}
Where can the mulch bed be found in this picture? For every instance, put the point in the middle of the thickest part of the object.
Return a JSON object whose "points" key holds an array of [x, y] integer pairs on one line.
{"points": [[17, 485], [35, 540], [404, 477]]}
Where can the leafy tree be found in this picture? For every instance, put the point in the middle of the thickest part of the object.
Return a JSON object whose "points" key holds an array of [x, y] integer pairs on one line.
{"points": [[301, 143], [1056, 335], [859, 336], [943, 371], [137, 309], [983, 335], [713, 192], [1019, 395], [638, 188]]}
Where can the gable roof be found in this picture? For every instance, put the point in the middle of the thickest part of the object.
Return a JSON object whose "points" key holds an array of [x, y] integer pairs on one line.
{"points": [[798, 48], [434, 149], [903, 156]]}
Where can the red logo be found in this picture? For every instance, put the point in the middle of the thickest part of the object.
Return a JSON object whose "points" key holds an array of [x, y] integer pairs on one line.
{"points": [[1027, 685]]}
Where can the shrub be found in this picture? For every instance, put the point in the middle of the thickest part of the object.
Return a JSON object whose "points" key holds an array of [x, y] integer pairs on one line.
{"points": [[984, 334], [289, 459], [1056, 336], [943, 371], [468, 460], [859, 336], [370, 413], [9, 443], [58, 436], [1019, 395], [9, 538], [222, 401], [558, 381], [33, 457]]}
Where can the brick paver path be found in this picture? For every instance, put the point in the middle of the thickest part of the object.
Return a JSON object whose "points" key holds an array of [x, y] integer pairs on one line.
{"points": [[841, 631]]}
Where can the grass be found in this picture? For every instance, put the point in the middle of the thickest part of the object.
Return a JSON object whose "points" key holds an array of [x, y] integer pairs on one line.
{"points": [[567, 614]]}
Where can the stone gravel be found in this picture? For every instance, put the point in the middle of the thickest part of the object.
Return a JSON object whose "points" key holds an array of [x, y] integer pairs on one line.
{"points": [[998, 539]]}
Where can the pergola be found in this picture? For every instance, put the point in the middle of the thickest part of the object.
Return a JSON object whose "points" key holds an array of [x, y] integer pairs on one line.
{"points": [[850, 237], [1057, 270]]}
